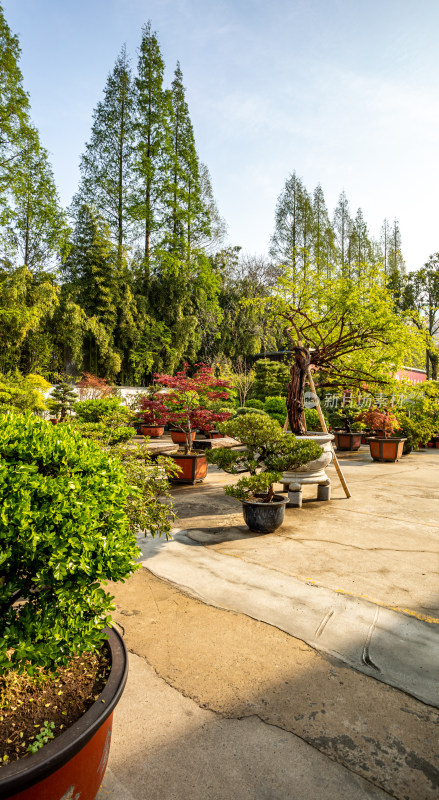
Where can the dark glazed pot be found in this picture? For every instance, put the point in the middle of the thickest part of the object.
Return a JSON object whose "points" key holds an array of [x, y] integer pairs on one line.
{"points": [[264, 517], [72, 765]]}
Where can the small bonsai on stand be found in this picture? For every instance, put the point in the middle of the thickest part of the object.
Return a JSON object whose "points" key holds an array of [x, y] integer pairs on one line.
{"points": [[154, 414], [268, 452]]}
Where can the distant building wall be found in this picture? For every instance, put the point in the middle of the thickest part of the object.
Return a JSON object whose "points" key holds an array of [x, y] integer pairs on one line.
{"points": [[411, 374]]}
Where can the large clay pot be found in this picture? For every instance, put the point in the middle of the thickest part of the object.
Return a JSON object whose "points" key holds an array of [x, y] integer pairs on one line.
{"points": [[72, 765], [390, 449], [179, 437], [155, 431], [347, 441], [193, 467], [264, 517]]}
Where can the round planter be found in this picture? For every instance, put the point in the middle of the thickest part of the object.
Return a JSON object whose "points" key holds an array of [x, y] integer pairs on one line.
{"points": [[193, 467], [72, 765], [178, 437], [155, 431], [386, 449], [264, 517], [348, 441], [313, 471]]}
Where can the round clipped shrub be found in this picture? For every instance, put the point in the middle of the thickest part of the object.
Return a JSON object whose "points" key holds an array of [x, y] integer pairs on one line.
{"points": [[63, 531], [97, 410], [254, 404], [244, 410]]}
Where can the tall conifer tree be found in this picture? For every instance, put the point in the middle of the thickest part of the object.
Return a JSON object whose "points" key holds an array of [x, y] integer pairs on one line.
{"points": [[107, 164], [153, 142]]}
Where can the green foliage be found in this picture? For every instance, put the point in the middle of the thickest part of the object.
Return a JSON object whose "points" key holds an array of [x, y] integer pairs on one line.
{"points": [[266, 448], [254, 404], [289, 453], [44, 735], [22, 393], [417, 430], [62, 399], [247, 488], [64, 532], [249, 410], [150, 506], [100, 409], [312, 420], [271, 379]]}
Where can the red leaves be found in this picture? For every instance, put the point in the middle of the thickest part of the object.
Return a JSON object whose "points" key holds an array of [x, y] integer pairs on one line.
{"points": [[188, 395], [155, 412], [93, 388]]}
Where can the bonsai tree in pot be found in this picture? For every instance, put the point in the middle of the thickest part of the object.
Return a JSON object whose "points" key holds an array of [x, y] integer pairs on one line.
{"points": [[347, 428], [387, 447], [65, 530], [186, 403], [154, 415], [268, 452]]}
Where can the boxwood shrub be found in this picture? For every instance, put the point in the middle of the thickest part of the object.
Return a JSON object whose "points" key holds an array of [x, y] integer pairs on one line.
{"points": [[64, 532]]}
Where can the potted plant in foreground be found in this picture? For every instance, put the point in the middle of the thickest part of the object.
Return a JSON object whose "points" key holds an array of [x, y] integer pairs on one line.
{"points": [[268, 453], [186, 403], [64, 532], [387, 447]]}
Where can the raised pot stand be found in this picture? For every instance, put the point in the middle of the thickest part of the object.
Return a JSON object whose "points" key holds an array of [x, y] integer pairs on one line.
{"points": [[311, 473], [72, 765]]}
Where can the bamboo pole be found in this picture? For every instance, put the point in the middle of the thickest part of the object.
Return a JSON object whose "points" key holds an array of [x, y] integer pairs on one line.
{"points": [[325, 430]]}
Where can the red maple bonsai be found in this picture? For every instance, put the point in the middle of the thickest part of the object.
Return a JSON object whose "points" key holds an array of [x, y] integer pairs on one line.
{"points": [[155, 414], [380, 420], [187, 399]]}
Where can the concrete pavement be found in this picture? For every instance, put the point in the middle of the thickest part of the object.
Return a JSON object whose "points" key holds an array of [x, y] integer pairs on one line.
{"points": [[350, 583]]}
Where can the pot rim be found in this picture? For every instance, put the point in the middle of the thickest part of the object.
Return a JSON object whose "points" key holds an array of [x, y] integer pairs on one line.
{"points": [[387, 438], [192, 454], [273, 504], [24, 773]]}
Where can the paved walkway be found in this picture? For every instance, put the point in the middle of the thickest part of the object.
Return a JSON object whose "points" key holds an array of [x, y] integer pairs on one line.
{"points": [[303, 662]]}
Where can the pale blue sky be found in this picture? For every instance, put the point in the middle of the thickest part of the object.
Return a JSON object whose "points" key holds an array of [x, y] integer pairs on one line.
{"points": [[345, 92]]}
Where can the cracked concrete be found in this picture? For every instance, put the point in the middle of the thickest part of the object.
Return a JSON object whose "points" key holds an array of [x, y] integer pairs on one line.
{"points": [[256, 683]]}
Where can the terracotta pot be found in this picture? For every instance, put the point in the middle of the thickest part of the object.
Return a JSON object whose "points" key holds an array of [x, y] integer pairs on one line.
{"points": [[348, 441], [193, 467], [72, 765], [155, 431], [178, 437], [386, 449], [213, 435]]}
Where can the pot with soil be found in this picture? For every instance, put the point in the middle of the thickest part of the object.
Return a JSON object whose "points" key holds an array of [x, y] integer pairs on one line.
{"points": [[65, 531], [262, 516], [72, 764]]}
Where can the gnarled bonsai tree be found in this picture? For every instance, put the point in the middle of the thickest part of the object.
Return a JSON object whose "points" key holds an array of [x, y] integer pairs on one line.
{"points": [[348, 332], [268, 452]]}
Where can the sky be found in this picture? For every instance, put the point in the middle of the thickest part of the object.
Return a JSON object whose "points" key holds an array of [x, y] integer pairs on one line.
{"points": [[344, 92]]}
